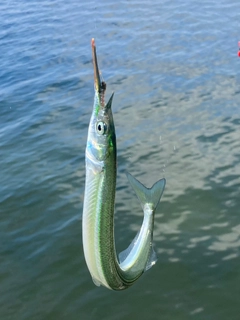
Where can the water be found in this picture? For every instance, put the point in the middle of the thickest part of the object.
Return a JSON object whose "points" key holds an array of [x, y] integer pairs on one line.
{"points": [[174, 69]]}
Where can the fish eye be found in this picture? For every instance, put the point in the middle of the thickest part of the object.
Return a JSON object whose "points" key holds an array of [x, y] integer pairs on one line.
{"points": [[101, 127]]}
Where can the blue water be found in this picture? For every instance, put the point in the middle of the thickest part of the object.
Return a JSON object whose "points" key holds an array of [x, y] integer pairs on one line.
{"points": [[174, 68]]}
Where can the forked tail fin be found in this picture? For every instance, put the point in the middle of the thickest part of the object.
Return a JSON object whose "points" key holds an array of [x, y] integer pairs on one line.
{"points": [[146, 195], [140, 255]]}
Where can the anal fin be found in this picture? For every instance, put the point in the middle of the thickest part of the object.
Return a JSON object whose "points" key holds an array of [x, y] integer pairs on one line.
{"points": [[151, 260], [123, 255]]}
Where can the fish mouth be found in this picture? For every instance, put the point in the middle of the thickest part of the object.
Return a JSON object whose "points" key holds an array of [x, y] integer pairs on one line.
{"points": [[100, 86]]}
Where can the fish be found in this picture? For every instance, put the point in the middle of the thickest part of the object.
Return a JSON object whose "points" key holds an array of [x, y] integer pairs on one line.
{"points": [[115, 272]]}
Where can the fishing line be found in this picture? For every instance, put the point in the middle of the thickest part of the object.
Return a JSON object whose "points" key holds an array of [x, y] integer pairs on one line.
{"points": [[171, 154]]}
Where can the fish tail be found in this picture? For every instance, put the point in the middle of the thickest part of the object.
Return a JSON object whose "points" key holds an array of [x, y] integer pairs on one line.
{"points": [[150, 196]]}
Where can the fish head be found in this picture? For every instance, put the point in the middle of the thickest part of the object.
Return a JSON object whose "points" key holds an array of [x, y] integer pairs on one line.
{"points": [[101, 136]]}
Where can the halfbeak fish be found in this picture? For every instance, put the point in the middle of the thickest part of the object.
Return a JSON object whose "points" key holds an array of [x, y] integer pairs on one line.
{"points": [[106, 268]]}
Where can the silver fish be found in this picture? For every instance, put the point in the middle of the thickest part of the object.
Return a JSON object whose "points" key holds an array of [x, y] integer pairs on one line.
{"points": [[106, 268]]}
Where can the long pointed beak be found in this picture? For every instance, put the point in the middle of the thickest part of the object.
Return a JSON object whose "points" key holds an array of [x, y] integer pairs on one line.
{"points": [[100, 86]]}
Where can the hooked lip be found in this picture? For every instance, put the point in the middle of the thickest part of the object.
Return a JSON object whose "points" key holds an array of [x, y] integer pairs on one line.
{"points": [[100, 86]]}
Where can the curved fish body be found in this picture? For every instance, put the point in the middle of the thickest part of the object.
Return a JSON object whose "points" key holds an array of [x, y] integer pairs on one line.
{"points": [[106, 268]]}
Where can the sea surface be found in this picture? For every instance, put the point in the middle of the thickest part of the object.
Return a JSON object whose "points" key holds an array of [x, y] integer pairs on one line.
{"points": [[174, 68]]}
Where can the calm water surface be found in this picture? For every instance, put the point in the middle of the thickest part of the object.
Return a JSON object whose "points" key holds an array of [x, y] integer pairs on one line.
{"points": [[174, 68]]}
